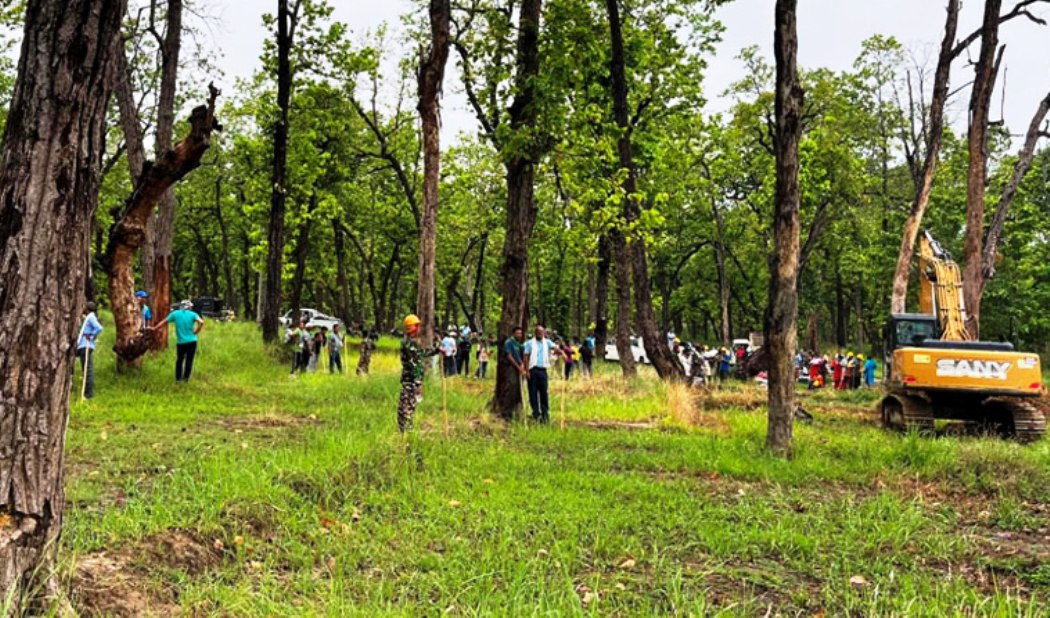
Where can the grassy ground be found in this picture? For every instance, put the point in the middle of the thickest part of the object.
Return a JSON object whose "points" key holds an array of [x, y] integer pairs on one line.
{"points": [[247, 493]]}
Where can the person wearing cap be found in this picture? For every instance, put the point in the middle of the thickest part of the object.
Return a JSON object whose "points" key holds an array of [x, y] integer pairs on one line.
{"points": [[413, 357], [188, 325], [89, 332], [147, 316]]}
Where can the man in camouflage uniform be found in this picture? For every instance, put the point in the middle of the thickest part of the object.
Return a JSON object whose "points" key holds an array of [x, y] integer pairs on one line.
{"points": [[413, 355]]}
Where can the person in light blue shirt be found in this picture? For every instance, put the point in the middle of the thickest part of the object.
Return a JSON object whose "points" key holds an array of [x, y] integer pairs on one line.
{"points": [[89, 333], [449, 351], [538, 352], [188, 325], [147, 315]]}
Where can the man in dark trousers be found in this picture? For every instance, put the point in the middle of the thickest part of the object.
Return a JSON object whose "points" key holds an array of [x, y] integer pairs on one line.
{"points": [[188, 325], [538, 352]]}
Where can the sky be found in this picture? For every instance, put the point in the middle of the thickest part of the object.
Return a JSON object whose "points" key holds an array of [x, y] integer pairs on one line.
{"points": [[830, 35]]}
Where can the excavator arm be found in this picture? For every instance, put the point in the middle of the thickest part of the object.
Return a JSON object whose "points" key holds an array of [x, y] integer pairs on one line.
{"points": [[940, 292]]}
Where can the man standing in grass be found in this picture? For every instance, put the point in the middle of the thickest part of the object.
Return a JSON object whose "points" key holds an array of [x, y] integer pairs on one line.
{"points": [[449, 351], [538, 358], [187, 326], [89, 333], [335, 349], [413, 357]]}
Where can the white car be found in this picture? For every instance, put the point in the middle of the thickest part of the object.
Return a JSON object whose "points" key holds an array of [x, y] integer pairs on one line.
{"points": [[313, 317], [637, 350]]}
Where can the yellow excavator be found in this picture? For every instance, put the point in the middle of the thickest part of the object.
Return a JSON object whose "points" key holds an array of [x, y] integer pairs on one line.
{"points": [[934, 369]]}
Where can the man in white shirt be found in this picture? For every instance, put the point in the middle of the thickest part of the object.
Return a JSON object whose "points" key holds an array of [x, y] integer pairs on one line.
{"points": [[538, 359], [449, 351]]}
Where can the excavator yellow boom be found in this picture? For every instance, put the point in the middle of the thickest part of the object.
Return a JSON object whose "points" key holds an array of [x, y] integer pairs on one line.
{"points": [[940, 292]]}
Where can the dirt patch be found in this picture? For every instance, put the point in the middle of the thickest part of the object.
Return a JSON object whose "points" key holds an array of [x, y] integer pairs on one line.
{"points": [[612, 425], [269, 421], [122, 582], [105, 585]]}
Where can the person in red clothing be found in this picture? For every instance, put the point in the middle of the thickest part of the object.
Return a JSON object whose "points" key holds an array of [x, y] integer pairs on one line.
{"points": [[836, 371]]}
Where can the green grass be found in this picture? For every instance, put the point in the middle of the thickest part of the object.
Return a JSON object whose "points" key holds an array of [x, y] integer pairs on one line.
{"points": [[302, 499]]}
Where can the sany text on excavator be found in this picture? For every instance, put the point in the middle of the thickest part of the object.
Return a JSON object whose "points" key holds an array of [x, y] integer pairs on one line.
{"points": [[934, 370]]}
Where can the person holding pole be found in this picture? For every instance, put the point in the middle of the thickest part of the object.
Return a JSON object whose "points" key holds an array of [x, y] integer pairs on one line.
{"points": [[89, 333], [188, 325], [413, 362]]}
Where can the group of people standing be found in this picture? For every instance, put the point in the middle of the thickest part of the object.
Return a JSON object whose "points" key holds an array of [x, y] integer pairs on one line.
{"points": [[188, 324], [310, 344], [455, 348], [846, 371]]}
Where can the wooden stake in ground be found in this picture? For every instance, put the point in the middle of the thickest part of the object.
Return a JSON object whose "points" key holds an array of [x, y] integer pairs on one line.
{"points": [[564, 392], [444, 399]]}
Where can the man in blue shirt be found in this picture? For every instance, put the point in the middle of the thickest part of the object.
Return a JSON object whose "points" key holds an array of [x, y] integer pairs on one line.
{"points": [[187, 325], [89, 333], [147, 315], [449, 351], [538, 359]]}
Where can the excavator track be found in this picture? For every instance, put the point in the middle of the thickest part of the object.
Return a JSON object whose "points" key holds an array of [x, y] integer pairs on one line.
{"points": [[1024, 422], [906, 413]]}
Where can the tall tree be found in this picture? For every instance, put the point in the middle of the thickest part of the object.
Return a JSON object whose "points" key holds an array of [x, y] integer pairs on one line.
{"points": [[656, 348], [129, 230], [50, 173], [164, 223], [935, 134], [985, 72], [521, 157], [431, 77], [271, 296], [782, 311]]}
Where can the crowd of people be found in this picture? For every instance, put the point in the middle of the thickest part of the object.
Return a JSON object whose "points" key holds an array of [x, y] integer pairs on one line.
{"points": [[847, 371]]}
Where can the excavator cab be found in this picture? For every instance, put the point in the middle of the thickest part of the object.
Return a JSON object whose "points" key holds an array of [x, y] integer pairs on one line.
{"points": [[905, 330]]}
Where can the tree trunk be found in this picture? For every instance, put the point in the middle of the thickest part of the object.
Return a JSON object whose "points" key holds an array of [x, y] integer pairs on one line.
{"points": [[899, 298], [985, 73], [622, 273], [656, 349], [302, 253], [723, 279], [164, 223], [270, 305], [521, 203], [50, 173], [229, 291], [431, 76], [341, 280], [127, 235], [782, 314], [601, 297], [813, 333]]}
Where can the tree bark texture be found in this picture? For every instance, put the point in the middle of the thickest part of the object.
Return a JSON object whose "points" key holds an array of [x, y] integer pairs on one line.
{"points": [[985, 73], [128, 233], [50, 173], [164, 223], [782, 313], [899, 297], [271, 298], [656, 349], [521, 203], [622, 274], [431, 77]]}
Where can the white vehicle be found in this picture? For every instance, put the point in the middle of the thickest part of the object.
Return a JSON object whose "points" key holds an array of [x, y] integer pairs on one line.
{"points": [[637, 350], [313, 317]]}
